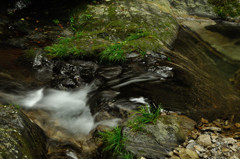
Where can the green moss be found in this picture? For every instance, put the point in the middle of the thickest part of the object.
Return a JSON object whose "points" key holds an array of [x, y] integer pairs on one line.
{"points": [[226, 8], [109, 31]]}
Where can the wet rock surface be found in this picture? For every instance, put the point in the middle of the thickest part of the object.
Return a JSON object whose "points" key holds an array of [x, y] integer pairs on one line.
{"points": [[181, 76], [190, 7], [218, 139], [19, 137]]}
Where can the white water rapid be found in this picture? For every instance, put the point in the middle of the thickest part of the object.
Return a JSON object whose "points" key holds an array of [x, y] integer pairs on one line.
{"points": [[67, 108]]}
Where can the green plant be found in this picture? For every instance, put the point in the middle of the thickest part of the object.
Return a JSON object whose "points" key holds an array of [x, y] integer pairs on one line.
{"points": [[83, 19], [127, 155], [56, 21], [143, 116], [57, 50], [225, 8], [113, 53], [138, 35], [116, 53], [72, 23], [114, 142], [15, 105]]}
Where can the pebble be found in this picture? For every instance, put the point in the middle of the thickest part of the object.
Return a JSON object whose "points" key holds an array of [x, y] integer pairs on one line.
{"points": [[237, 125], [204, 121], [199, 148], [210, 142], [212, 129], [204, 140], [229, 140], [224, 149]]}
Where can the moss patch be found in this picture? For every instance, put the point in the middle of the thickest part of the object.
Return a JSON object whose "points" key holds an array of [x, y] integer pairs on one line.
{"points": [[109, 31], [226, 8]]}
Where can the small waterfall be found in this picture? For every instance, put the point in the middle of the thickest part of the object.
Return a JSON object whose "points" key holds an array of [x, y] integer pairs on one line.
{"points": [[67, 109]]}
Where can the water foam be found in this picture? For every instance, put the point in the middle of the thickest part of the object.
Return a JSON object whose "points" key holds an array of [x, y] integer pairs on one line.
{"points": [[68, 108]]}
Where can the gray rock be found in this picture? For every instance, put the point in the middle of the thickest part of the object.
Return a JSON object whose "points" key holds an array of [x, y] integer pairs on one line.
{"points": [[156, 141], [191, 145], [188, 154], [204, 140], [110, 72], [191, 7]]}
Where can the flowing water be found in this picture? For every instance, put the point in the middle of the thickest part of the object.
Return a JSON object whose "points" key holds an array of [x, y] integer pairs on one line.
{"points": [[65, 110], [186, 84]]}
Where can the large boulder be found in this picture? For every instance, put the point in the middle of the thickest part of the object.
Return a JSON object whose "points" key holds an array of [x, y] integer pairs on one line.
{"points": [[19, 137], [156, 141]]}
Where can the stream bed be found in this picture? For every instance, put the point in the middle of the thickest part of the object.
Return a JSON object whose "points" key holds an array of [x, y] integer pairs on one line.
{"points": [[70, 99]]}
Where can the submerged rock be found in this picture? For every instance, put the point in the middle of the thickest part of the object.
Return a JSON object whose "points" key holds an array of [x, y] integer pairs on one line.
{"points": [[19, 137]]}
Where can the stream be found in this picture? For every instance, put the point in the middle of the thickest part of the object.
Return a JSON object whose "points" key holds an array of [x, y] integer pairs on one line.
{"points": [[195, 82]]}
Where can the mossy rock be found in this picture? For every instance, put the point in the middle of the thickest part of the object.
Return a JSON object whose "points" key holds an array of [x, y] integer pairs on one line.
{"points": [[157, 140], [104, 25], [19, 137]]}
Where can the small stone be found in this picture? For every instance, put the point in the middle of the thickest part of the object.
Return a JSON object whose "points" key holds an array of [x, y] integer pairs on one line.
{"points": [[233, 157], [194, 136], [226, 122], [175, 152], [214, 137], [213, 146], [213, 152], [227, 127], [233, 149], [204, 121], [199, 148], [224, 149], [185, 144], [170, 153], [229, 140], [217, 122], [215, 129], [237, 125], [188, 154], [204, 140]]}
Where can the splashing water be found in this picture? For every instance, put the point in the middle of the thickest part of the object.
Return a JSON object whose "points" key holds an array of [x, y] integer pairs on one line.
{"points": [[69, 109]]}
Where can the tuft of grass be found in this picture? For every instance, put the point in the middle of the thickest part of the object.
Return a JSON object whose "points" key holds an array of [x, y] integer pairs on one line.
{"points": [[65, 47], [138, 35], [144, 116], [116, 53], [114, 142], [113, 53], [127, 155]]}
